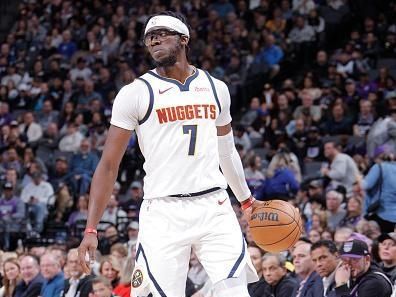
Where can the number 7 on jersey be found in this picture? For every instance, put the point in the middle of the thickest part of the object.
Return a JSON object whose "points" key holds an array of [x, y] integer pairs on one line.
{"points": [[192, 130]]}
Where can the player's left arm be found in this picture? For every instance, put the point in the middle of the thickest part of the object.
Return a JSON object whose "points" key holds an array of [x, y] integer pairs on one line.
{"points": [[230, 161]]}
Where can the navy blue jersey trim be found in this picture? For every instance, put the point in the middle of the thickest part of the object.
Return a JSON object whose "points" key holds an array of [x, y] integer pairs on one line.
{"points": [[183, 87], [151, 104], [214, 90], [238, 261], [140, 250]]}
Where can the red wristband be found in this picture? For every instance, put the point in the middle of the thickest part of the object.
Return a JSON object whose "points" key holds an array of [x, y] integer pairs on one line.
{"points": [[91, 231], [247, 203]]}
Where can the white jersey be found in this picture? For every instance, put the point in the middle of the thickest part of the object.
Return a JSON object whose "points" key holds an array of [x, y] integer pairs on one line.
{"points": [[176, 127]]}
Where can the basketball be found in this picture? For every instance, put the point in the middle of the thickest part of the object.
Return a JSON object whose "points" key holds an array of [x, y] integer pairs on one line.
{"points": [[275, 226]]}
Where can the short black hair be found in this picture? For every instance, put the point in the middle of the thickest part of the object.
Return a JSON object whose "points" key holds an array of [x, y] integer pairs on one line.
{"points": [[174, 14], [330, 245]]}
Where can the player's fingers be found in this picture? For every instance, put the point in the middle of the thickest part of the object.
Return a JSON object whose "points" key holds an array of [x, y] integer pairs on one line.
{"points": [[81, 256], [91, 253]]}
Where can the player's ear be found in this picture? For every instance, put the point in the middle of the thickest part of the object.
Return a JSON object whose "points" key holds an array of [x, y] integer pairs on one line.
{"points": [[184, 39]]}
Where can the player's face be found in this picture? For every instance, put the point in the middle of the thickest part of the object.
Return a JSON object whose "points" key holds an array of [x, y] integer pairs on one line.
{"points": [[164, 46], [325, 262]]}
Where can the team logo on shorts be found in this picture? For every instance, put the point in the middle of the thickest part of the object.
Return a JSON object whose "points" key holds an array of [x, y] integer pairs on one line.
{"points": [[137, 278]]}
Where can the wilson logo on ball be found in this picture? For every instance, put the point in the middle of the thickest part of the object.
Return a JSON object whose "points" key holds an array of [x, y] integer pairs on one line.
{"points": [[266, 216]]}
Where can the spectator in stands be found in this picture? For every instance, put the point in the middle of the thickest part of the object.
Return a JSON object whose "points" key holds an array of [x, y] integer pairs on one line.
{"points": [[310, 282], [275, 274], [11, 277], [324, 254], [110, 237], [338, 123], [356, 276], [30, 128], [38, 195], [365, 119], [253, 174], [342, 169], [387, 254], [101, 287], [110, 268], [354, 212], [132, 233], [134, 198], [261, 287], [281, 182], [125, 286], [335, 212], [87, 96], [47, 115], [79, 284], [113, 213], [71, 141], [11, 159], [308, 107], [12, 213], [380, 186], [67, 47], [32, 280], [82, 167], [81, 70], [81, 212], [52, 272]]}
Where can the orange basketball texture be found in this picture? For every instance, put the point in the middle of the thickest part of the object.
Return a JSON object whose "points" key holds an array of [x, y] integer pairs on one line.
{"points": [[275, 226]]}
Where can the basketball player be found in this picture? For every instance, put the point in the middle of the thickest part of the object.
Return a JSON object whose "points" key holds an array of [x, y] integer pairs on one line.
{"points": [[182, 119]]}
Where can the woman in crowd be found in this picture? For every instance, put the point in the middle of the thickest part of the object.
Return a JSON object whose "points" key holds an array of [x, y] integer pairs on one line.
{"points": [[11, 277], [354, 212], [110, 268]]}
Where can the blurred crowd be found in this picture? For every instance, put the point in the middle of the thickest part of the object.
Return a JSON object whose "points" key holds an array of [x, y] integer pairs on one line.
{"points": [[313, 92]]}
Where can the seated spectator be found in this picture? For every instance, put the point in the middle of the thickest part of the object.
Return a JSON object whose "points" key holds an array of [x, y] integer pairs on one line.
{"points": [[87, 95], [132, 234], [38, 195], [50, 139], [357, 275], [47, 115], [275, 274], [79, 284], [281, 182], [341, 235], [307, 107], [310, 282], [11, 159], [261, 287], [270, 55], [387, 254], [335, 212], [134, 198], [113, 213], [342, 169], [110, 268], [11, 277], [338, 123], [71, 141], [5, 115], [313, 149], [81, 213], [32, 280], [124, 287], [253, 174], [365, 119], [30, 128], [314, 235], [12, 213], [109, 237], [81, 70], [354, 212], [102, 287], [52, 272], [324, 254]]}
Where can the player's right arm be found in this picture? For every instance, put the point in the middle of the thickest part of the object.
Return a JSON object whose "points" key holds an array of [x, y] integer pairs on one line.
{"points": [[230, 161], [129, 106], [102, 186]]}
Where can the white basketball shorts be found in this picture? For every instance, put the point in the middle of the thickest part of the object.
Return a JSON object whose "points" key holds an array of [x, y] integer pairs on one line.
{"points": [[171, 227]]}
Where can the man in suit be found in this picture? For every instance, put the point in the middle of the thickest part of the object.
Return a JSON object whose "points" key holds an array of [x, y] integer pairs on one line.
{"points": [[324, 254], [310, 282], [79, 284], [32, 280]]}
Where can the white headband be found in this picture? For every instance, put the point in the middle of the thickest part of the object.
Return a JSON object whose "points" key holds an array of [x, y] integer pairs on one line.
{"points": [[168, 22]]}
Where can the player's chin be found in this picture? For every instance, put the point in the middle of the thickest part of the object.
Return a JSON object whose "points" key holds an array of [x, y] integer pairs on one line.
{"points": [[165, 61]]}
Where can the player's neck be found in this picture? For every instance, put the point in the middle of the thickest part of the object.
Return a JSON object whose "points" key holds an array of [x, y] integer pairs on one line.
{"points": [[180, 71]]}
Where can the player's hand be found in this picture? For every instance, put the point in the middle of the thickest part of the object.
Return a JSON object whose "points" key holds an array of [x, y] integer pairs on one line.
{"points": [[88, 244], [247, 212], [342, 274]]}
